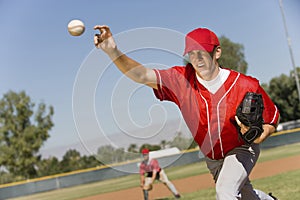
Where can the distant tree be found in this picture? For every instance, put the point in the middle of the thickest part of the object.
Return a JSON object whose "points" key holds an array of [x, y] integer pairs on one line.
{"points": [[105, 154], [151, 147], [108, 154], [283, 91], [132, 152], [71, 161], [265, 86], [119, 155], [48, 167], [181, 142], [232, 55], [23, 130], [193, 144], [90, 161], [132, 148], [6, 177], [163, 144]]}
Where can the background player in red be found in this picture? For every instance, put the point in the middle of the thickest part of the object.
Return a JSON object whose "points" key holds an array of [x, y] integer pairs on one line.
{"points": [[151, 171], [207, 95]]}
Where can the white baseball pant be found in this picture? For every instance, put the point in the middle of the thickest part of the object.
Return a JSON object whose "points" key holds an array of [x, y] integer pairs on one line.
{"points": [[231, 174], [164, 179]]}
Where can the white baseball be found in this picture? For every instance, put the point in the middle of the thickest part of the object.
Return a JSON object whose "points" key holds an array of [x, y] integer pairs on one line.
{"points": [[76, 27]]}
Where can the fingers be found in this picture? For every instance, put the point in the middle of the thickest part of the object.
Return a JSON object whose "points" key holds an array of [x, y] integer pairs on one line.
{"points": [[97, 40], [244, 128], [238, 121], [104, 34], [102, 28]]}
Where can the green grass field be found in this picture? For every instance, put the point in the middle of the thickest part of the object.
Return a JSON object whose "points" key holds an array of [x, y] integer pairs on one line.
{"points": [[285, 185]]}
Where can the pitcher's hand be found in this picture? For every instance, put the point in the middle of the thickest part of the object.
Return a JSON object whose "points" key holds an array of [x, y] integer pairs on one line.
{"points": [[104, 40]]}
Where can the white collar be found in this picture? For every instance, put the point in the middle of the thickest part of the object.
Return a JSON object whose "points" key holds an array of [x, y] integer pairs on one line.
{"points": [[214, 84]]}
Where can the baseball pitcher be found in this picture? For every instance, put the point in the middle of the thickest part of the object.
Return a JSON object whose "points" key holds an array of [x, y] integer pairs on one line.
{"points": [[228, 113]]}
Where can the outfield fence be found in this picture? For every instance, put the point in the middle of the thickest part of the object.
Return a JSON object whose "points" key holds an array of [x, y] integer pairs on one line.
{"points": [[107, 172]]}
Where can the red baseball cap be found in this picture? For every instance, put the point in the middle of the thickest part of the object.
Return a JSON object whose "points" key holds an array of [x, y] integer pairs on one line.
{"points": [[200, 39], [145, 151]]}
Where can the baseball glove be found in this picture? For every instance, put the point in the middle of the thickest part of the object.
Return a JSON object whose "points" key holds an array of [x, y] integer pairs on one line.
{"points": [[250, 113], [148, 187]]}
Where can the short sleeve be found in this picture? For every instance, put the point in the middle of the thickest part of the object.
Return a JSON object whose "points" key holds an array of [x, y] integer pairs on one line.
{"points": [[155, 166], [142, 169], [172, 84], [165, 85]]}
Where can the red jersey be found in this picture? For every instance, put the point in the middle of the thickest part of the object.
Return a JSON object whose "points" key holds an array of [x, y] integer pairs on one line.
{"points": [[211, 117], [149, 166]]}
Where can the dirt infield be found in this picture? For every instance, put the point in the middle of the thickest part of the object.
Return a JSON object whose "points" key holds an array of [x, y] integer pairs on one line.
{"points": [[204, 181]]}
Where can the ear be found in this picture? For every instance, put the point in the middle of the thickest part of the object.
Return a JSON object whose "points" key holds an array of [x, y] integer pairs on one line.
{"points": [[218, 52]]}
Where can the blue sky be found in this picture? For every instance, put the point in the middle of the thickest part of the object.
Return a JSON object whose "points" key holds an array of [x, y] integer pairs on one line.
{"points": [[39, 56]]}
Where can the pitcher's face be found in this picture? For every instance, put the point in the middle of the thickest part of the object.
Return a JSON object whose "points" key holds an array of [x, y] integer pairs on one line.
{"points": [[204, 63]]}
